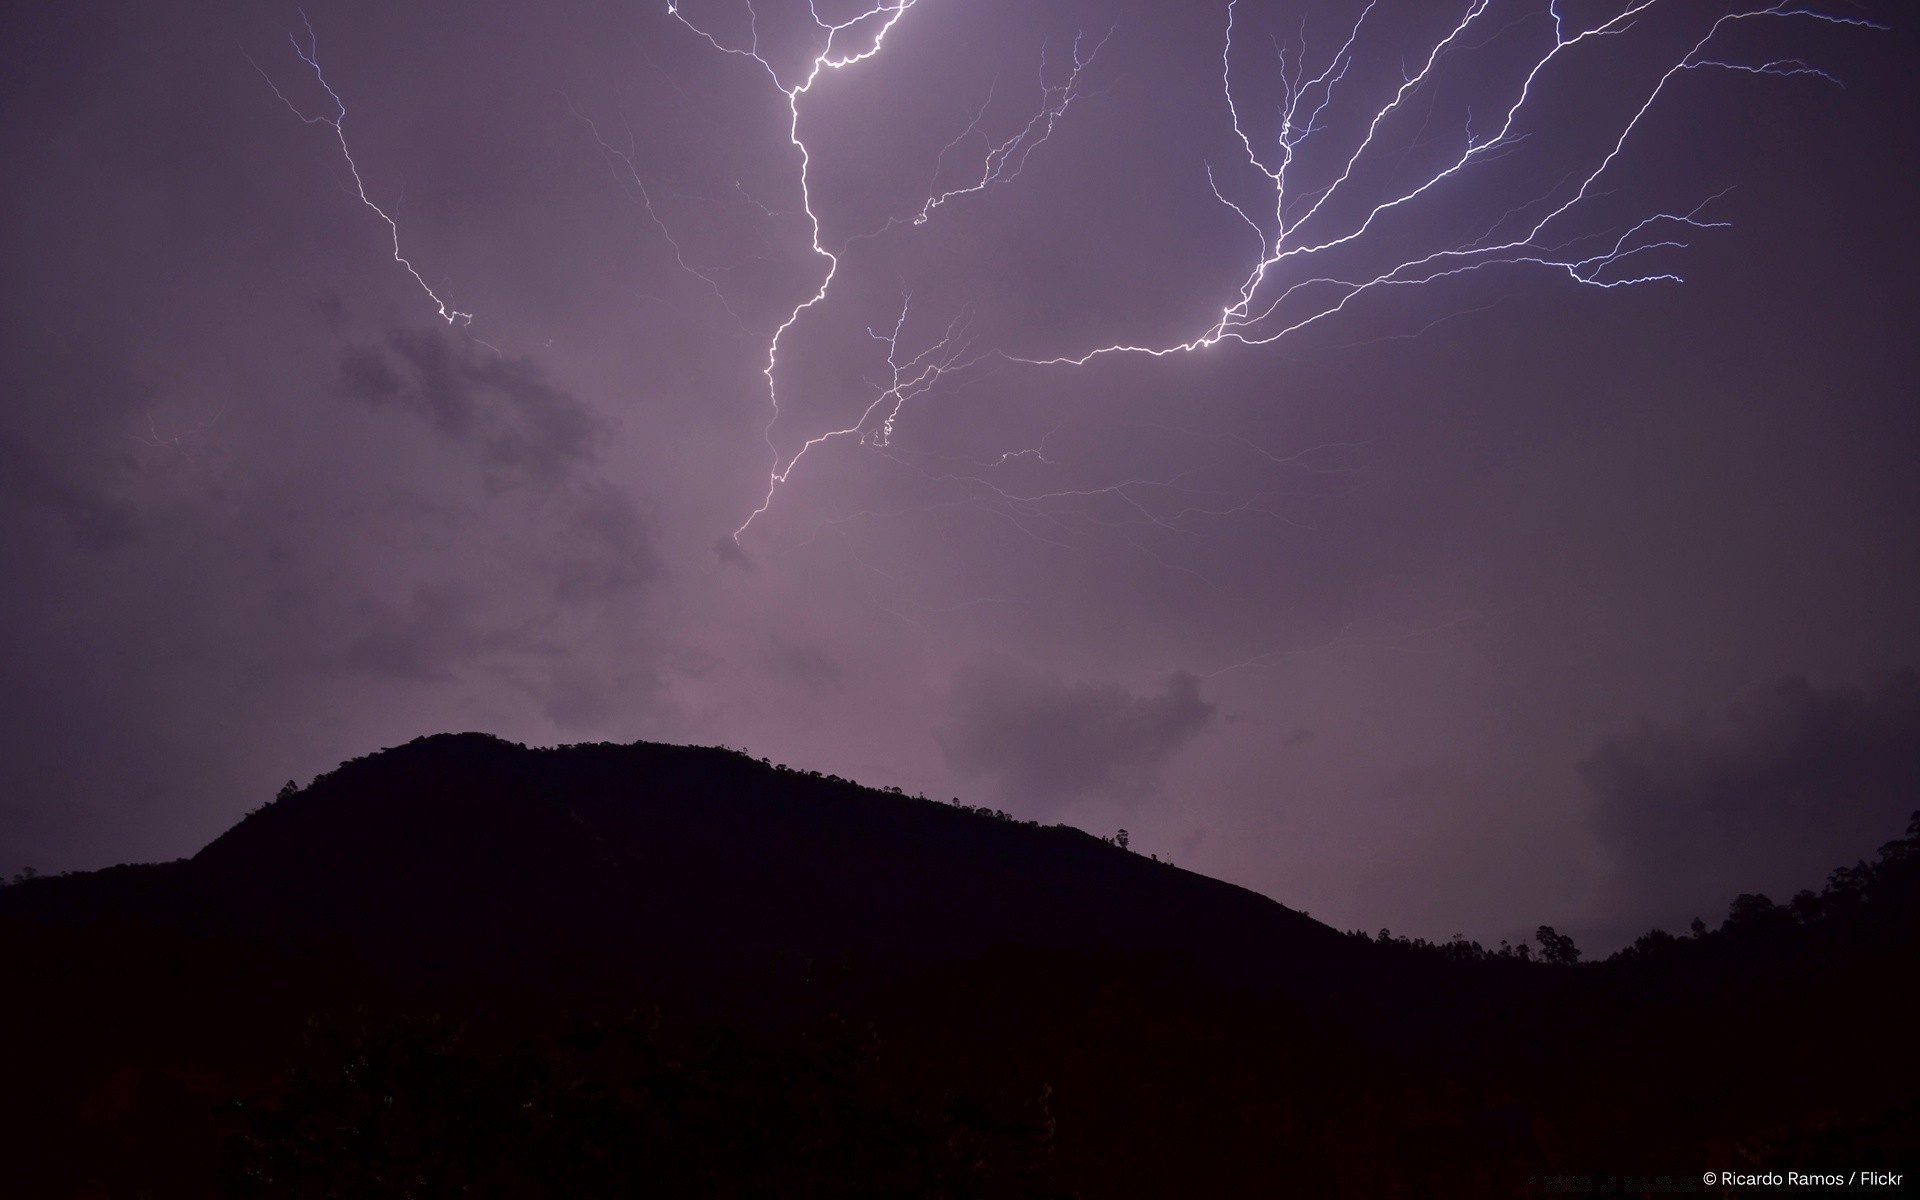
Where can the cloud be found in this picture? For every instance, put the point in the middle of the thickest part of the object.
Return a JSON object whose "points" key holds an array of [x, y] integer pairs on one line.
{"points": [[30, 479], [606, 547], [577, 700], [1045, 739], [805, 663], [1768, 795], [65, 437], [527, 429], [429, 640], [729, 551]]}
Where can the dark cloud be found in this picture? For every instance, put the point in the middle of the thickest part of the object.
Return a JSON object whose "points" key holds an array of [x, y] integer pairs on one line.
{"points": [[66, 436], [72, 392], [578, 701], [527, 429], [30, 479], [607, 547], [729, 551], [1044, 739], [806, 663], [333, 309], [429, 639], [1768, 795]]}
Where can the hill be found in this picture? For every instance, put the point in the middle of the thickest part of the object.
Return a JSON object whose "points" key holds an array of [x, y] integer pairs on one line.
{"points": [[464, 857], [466, 967]]}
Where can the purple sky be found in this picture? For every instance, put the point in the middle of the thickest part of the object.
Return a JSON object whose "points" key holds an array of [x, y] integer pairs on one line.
{"points": [[1477, 603]]}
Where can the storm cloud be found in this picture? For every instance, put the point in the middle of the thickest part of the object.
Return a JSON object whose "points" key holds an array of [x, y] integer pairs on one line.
{"points": [[1042, 739], [68, 437], [1767, 795], [526, 429]]}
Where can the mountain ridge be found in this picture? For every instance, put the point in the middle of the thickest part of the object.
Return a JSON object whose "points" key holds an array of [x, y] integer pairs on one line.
{"points": [[465, 966], [457, 850]]}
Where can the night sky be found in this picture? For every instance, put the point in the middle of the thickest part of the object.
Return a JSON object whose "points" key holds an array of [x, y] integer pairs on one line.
{"points": [[1442, 586]]}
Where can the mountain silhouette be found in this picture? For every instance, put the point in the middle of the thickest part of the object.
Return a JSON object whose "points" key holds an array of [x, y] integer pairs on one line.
{"points": [[467, 967], [464, 856]]}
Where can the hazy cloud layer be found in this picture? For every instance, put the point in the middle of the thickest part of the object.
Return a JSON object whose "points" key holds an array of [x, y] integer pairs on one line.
{"points": [[803, 662], [1768, 795], [1042, 739], [428, 640], [606, 547], [527, 429], [31, 480], [67, 437]]}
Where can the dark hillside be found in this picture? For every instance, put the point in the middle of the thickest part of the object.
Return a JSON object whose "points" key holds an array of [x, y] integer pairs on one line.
{"points": [[467, 968], [468, 856]]}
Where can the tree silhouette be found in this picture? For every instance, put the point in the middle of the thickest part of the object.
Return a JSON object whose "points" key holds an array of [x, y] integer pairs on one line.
{"points": [[1556, 948]]}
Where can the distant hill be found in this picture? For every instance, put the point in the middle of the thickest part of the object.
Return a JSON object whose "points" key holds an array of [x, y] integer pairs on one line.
{"points": [[466, 856], [467, 967]]}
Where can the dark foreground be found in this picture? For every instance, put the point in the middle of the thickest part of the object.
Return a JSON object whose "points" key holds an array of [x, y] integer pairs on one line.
{"points": [[463, 968]]}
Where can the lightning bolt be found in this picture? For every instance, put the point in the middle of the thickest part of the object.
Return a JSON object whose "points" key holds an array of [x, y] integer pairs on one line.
{"points": [[1002, 161], [1280, 296], [828, 59], [1320, 243], [309, 54], [908, 379], [632, 172]]}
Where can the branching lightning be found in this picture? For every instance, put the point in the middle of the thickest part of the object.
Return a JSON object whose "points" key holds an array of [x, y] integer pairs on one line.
{"points": [[1324, 230], [1319, 242], [309, 55], [1002, 161], [1281, 295], [632, 174], [830, 58]]}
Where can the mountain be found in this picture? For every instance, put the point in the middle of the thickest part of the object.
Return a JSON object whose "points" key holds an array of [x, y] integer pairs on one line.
{"points": [[467, 967], [466, 857]]}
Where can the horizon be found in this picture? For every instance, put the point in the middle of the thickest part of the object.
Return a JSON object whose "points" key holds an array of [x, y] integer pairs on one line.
{"points": [[1737, 908]]}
